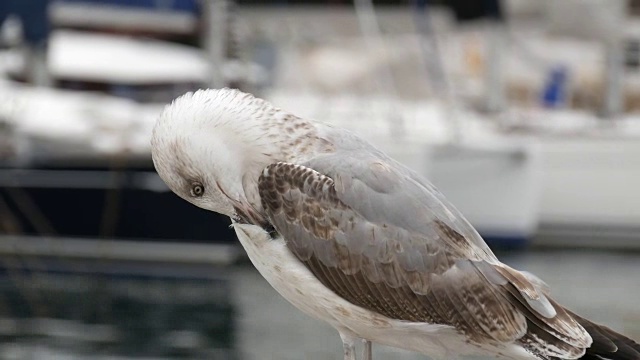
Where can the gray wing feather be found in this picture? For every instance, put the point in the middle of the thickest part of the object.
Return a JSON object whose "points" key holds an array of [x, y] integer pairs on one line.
{"points": [[366, 182], [386, 240]]}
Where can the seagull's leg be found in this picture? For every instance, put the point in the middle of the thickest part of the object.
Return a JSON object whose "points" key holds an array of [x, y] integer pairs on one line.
{"points": [[348, 344], [366, 349]]}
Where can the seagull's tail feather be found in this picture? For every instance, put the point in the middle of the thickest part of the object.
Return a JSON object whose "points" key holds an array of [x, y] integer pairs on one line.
{"points": [[607, 344]]}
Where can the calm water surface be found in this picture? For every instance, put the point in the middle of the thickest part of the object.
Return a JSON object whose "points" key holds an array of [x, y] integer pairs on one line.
{"points": [[234, 314]]}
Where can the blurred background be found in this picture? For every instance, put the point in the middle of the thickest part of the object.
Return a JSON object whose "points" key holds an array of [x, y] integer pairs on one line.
{"points": [[524, 113]]}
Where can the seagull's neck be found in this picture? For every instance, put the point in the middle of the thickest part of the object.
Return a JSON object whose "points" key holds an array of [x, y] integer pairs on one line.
{"points": [[237, 151]]}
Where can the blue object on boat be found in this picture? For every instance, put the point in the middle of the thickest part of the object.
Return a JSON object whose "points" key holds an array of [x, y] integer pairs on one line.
{"points": [[555, 90]]}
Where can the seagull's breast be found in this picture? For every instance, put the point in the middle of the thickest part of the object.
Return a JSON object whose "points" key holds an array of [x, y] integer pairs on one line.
{"points": [[285, 273], [291, 279]]}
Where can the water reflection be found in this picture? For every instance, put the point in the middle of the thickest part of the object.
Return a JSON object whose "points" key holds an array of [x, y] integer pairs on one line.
{"points": [[137, 314], [171, 312]]}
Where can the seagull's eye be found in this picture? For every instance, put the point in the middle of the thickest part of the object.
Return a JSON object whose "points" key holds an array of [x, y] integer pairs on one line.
{"points": [[197, 190]]}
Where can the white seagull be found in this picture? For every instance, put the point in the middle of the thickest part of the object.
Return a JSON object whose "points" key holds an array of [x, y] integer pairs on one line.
{"points": [[353, 238]]}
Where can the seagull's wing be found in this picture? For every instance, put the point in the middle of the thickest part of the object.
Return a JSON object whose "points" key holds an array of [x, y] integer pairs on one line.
{"points": [[383, 239]]}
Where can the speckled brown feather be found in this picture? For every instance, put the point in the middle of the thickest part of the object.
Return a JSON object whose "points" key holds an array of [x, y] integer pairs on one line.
{"points": [[404, 275]]}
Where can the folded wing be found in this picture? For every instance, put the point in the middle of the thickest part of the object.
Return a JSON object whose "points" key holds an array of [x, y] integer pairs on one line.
{"points": [[386, 240]]}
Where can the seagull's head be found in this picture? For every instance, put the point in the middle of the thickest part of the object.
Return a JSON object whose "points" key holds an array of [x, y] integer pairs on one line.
{"points": [[210, 146]]}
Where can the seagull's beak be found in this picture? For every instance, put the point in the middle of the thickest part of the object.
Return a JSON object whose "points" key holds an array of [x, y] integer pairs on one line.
{"points": [[247, 214]]}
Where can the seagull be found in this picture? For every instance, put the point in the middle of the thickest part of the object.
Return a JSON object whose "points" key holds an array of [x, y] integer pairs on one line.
{"points": [[353, 238]]}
